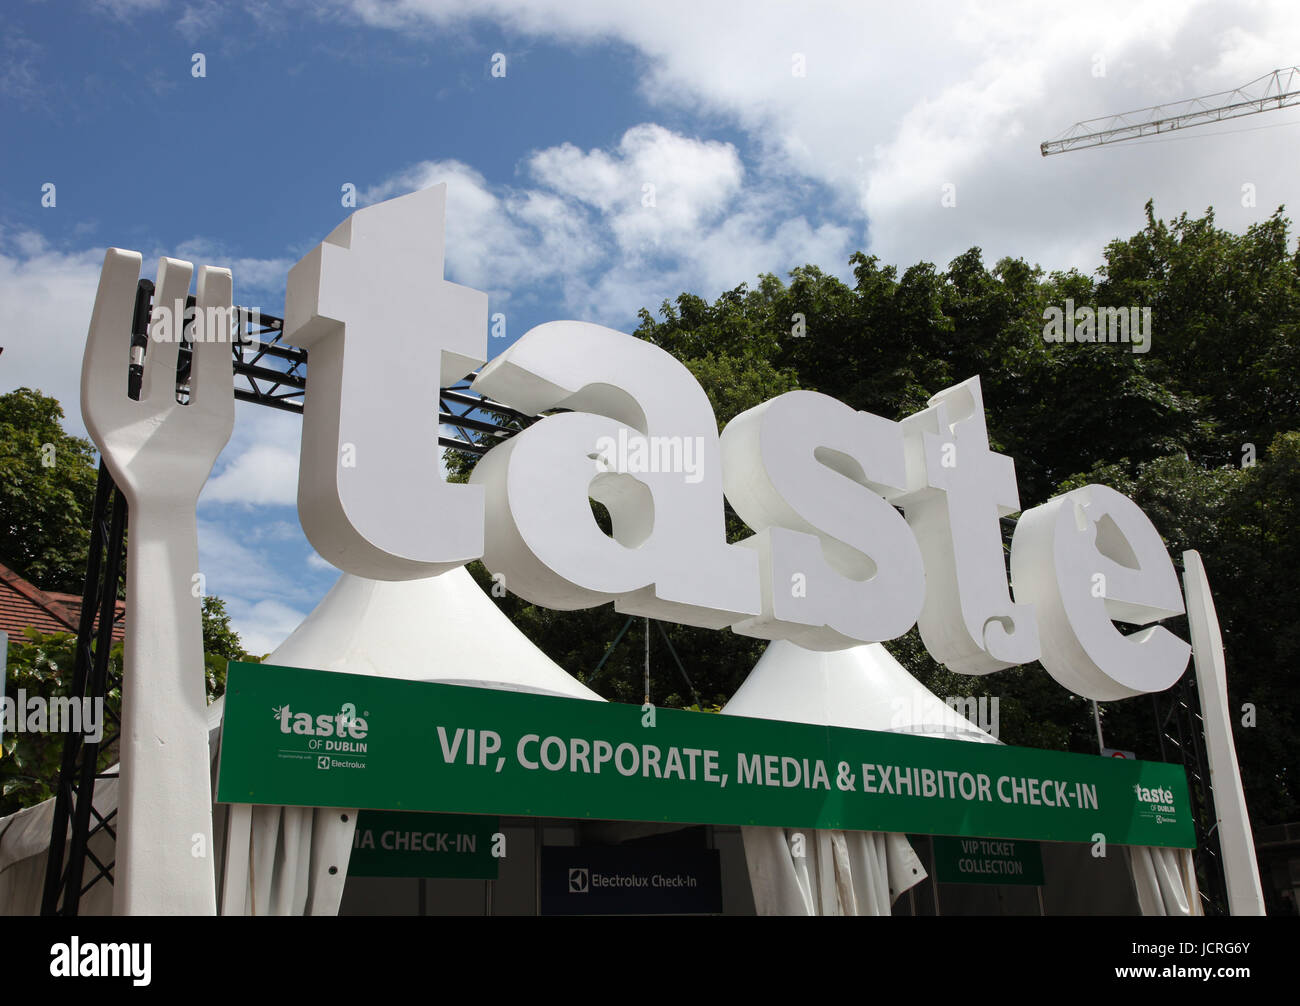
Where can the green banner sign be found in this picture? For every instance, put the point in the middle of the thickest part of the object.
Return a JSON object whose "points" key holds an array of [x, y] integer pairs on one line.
{"points": [[397, 844], [987, 861], [321, 739]]}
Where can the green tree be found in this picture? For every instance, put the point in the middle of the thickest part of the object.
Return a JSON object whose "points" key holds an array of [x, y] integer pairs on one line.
{"points": [[47, 491], [221, 644], [42, 665]]}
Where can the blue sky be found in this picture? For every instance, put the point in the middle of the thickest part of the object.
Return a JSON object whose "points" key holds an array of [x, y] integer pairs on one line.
{"points": [[756, 167]]}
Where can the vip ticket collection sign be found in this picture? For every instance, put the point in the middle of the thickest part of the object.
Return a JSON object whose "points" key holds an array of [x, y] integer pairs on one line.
{"points": [[321, 739], [987, 861]]}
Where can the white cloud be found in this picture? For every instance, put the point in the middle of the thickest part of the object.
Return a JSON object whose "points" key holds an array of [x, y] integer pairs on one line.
{"points": [[257, 281], [20, 78], [496, 241], [266, 595], [263, 473], [898, 100], [588, 227], [125, 9], [45, 298], [315, 561], [656, 192], [198, 20], [264, 625]]}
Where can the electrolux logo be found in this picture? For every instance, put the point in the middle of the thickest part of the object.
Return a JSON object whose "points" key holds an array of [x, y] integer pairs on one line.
{"points": [[582, 880]]}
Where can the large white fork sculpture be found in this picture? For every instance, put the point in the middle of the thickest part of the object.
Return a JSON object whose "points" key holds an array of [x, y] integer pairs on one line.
{"points": [[160, 453]]}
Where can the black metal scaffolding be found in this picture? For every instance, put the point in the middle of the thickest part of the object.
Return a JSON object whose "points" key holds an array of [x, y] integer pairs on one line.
{"points": [[1181, 730]]}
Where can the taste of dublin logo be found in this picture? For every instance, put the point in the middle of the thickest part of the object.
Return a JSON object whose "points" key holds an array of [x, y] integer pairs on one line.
{"points": [[1160, 803], [325, 734]]}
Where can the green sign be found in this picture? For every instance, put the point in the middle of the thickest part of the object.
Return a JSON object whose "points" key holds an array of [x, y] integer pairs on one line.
{"points": [[395, 844], [321, 739], [987, 861]]}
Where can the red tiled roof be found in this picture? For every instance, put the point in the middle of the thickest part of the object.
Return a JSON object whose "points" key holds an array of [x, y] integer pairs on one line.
{"points": [[23, 605]]}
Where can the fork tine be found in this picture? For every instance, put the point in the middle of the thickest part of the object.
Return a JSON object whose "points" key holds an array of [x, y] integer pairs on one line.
{"points": [[108, 342], [212, 372], [159, 384]]}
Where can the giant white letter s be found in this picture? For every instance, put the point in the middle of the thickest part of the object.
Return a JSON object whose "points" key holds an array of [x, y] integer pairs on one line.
{"points": [[839, 564]]}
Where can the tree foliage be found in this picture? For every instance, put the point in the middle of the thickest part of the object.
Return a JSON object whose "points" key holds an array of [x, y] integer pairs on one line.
{"points": [[47, 492], [42, 665]]}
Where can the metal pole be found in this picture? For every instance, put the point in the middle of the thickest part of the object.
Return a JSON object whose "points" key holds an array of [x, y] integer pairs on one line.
{"points": [[681, 669], [934, 877], [617, 640]]}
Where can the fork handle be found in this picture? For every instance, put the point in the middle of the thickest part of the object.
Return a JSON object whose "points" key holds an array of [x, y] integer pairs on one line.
{"points": [[164, 840]]}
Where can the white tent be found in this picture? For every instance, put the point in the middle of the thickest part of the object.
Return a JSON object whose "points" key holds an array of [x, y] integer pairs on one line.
{"points": [[864, 688], [443, 628], [291, 860], [862, 873]]}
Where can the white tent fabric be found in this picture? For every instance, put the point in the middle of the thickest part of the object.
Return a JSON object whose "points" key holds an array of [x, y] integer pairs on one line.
{"points": [[839, 873], [293, 860], [24, 839], [864, 688], [1165, 881]]}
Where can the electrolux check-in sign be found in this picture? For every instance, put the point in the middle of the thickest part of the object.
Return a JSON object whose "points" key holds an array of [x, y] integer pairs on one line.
{"points": [[621, 880], [321, 739]]}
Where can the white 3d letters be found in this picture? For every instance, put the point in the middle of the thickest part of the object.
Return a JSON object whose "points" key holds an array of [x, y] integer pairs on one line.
{"points": [[958, 489], [839, 564], [1056, 553], [641, 440], [385, 331], [831, 563]]}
